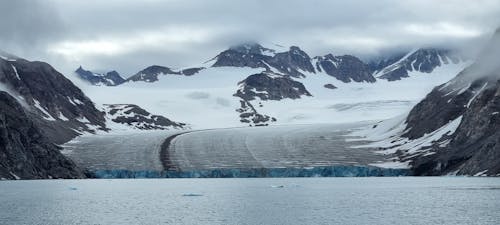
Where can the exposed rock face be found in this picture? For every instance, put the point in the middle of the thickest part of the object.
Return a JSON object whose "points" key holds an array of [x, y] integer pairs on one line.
{"points": [[108, 79], [346, 68], [137, 117], [262, 87], [293, 62], [150, 74], [191, 71], [330, 86], [249, 115], [60, 109], [268, 86], [423, 60], [24, 152], [247, 55], [473, 97], [475, 146]]}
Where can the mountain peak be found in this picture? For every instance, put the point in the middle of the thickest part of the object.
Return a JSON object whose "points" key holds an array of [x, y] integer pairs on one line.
{"points": [[112, 78]]}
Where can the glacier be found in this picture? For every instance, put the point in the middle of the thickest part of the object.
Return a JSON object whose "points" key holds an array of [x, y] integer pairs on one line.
{"points": [[325, 171]]}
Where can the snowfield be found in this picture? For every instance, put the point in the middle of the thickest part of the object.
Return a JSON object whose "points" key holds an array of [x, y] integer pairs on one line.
{"points": [[205, 100]]}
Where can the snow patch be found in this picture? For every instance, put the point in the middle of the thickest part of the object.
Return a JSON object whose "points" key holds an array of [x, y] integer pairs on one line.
{"points": [[46, 115], [15, 71]]}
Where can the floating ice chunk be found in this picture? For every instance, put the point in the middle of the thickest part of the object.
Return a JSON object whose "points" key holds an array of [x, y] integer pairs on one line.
{"points": [[192, 195]]}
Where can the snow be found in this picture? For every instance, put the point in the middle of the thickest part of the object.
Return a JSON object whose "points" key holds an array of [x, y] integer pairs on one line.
{"points": [[395, 65], [46, 115], [481, 174], [83, 119], [15, 176], [476, 93], [393, 165], [15, 71], [62, 117], [205, 100], [388, 133]]}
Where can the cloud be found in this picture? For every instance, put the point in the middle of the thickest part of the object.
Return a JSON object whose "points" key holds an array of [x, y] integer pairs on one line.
{"points": [[128, 35]]}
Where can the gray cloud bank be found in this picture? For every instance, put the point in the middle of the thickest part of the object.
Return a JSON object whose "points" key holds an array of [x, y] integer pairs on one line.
{"points": [[128, 35]]}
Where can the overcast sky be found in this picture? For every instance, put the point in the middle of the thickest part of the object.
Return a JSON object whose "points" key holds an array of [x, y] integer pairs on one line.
{"points": [[128, 35]]}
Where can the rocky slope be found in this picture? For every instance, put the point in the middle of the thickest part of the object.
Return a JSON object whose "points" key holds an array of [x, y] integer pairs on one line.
{"points": [[112, 78], [422, 60], [138, 118], [24, 151], [263, 87], [59, 108], [455, 129], [346, 68], [151, 73]]}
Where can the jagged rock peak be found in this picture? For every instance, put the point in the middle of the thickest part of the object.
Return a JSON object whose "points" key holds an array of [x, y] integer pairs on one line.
{"points": [[111, 78], [151, 73], [345, 68], [423, 60], [252, 48]]}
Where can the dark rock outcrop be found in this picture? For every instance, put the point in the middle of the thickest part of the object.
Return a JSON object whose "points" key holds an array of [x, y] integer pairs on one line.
{"points": [[191, 71], [330, 86], [346, 68], [293, 62], [137, 117], [247, 55], [268, 86], [112, 78], [151, 73], [265, 86], [24, 151], [250, 116]]}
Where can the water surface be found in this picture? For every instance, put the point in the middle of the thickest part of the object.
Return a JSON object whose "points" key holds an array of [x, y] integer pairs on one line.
{"points": [[395, 200]]}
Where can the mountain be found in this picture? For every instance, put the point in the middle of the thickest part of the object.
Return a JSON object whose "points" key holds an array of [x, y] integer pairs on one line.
{"points": [[294, 62], [39, 109], [112, 78], [25, 152], [59, 108], [455, 129], [346, 68], [421, 60], [297, 63], [151, 73]]}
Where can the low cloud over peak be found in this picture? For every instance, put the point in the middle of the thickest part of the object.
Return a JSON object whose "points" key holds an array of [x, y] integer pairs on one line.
{"points": [[129, 35]]}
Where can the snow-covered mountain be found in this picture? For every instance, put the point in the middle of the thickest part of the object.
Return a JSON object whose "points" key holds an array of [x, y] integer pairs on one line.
{"points": [[111, 78], [251, 84], [59, 108], [455, 129], [422, 60]]}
